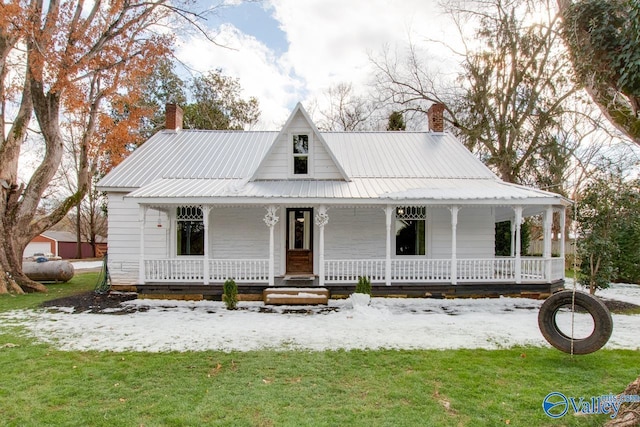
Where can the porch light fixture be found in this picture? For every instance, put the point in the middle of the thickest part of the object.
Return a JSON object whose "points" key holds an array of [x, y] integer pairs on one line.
{"points": [[300, 219], [400, 211], [159, 220]]}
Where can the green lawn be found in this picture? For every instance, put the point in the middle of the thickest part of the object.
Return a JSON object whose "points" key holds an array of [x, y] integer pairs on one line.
{"points": [[42, 386]]}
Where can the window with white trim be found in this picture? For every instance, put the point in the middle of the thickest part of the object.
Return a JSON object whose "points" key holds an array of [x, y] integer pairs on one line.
{"points": [[190, 230], [411, 230], [300, 154]]}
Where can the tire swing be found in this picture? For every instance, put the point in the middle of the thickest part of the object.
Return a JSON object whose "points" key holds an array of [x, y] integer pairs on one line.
{"points": [[602, 322]]}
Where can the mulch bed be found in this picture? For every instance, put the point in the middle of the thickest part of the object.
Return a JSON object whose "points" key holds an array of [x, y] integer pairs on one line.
{"points": [[110, 303], [94, 302]]}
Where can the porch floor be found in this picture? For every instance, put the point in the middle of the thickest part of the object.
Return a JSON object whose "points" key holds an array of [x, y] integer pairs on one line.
{"points": [[250, 291]]}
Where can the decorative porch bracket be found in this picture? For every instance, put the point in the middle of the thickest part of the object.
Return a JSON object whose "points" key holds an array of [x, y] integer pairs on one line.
{"points": [[271, 219], [142, 219], [321, 219]]}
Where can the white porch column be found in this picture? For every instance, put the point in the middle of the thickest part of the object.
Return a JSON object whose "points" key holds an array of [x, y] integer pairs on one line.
{"points": [[454, 244], [271, 219], [205, 267], [142, 217], [518, 221], [547, 226], [513, 237], [389, 211], [322, 219], [563, 237]]}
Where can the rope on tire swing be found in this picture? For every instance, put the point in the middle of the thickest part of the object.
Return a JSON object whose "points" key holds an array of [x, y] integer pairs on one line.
{"points": [[575, 272]]}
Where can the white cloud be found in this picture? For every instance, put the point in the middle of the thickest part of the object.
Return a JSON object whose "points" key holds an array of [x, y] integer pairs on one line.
{"points": [[261, 74], [329, 42]]}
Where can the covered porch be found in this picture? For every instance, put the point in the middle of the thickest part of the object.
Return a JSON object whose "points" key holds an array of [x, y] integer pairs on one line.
{"points": [[390, 270]]}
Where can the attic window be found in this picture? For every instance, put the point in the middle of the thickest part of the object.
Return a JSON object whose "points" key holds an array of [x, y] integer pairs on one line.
{"points": [[300, 154]]}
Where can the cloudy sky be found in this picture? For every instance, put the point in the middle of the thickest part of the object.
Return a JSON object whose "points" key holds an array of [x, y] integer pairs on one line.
{"points": [[286, 51]]}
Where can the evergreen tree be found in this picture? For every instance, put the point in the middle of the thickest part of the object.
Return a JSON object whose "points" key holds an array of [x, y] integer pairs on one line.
{"points": [[396, 121]]}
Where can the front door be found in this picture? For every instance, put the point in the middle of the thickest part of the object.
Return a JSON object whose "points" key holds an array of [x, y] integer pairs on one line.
{"points": [[300, 241]]}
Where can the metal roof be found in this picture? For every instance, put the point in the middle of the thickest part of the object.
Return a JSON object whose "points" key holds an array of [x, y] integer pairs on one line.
{"points": [[236, 154], [191, 154], [404, 155], [381, 166], [360, 189]]}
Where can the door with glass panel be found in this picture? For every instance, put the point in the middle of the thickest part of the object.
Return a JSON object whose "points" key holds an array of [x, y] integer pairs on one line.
{"points": [[300, 241]]}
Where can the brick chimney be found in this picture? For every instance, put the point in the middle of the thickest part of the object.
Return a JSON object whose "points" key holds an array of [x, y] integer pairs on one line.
{"points": [[173, 114], [436, 118]]}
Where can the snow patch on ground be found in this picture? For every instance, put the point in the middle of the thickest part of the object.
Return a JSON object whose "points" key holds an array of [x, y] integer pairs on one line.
{"points": [[161, 325], [84, 265]]}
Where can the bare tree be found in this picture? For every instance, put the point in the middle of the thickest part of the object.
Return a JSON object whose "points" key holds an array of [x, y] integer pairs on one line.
{"points": [[346, 111], [509, 100]]}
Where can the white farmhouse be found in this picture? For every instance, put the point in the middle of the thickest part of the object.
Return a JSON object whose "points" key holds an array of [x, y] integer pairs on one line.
{"points": [[413, 211]]}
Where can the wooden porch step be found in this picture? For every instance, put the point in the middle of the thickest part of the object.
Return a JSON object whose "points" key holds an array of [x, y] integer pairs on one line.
{"points": [[124, 288], [295, 296]]}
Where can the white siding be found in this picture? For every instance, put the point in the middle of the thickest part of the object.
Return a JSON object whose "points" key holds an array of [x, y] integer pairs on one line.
{"points": [[439, 233], [323, 165], [475, 233], [355, 233], [124, 238], [239, 233], [276, 165], [123, 241]]}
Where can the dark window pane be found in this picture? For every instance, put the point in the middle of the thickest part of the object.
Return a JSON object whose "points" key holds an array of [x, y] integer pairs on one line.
{"points": [[190, 237], [410, 237], [300, 165], [300, 144]]}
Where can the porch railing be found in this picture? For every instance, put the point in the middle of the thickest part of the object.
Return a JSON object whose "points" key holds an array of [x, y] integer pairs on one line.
{"points": [[486, 270], [420, 270], [192, 270], [240, 270], [348, 271], [174, 270], [532, 269]]}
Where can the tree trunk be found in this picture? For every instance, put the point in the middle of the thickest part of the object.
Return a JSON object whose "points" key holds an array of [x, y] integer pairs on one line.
{"points": [[12, 279], [78, 233], [629, 413]]}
